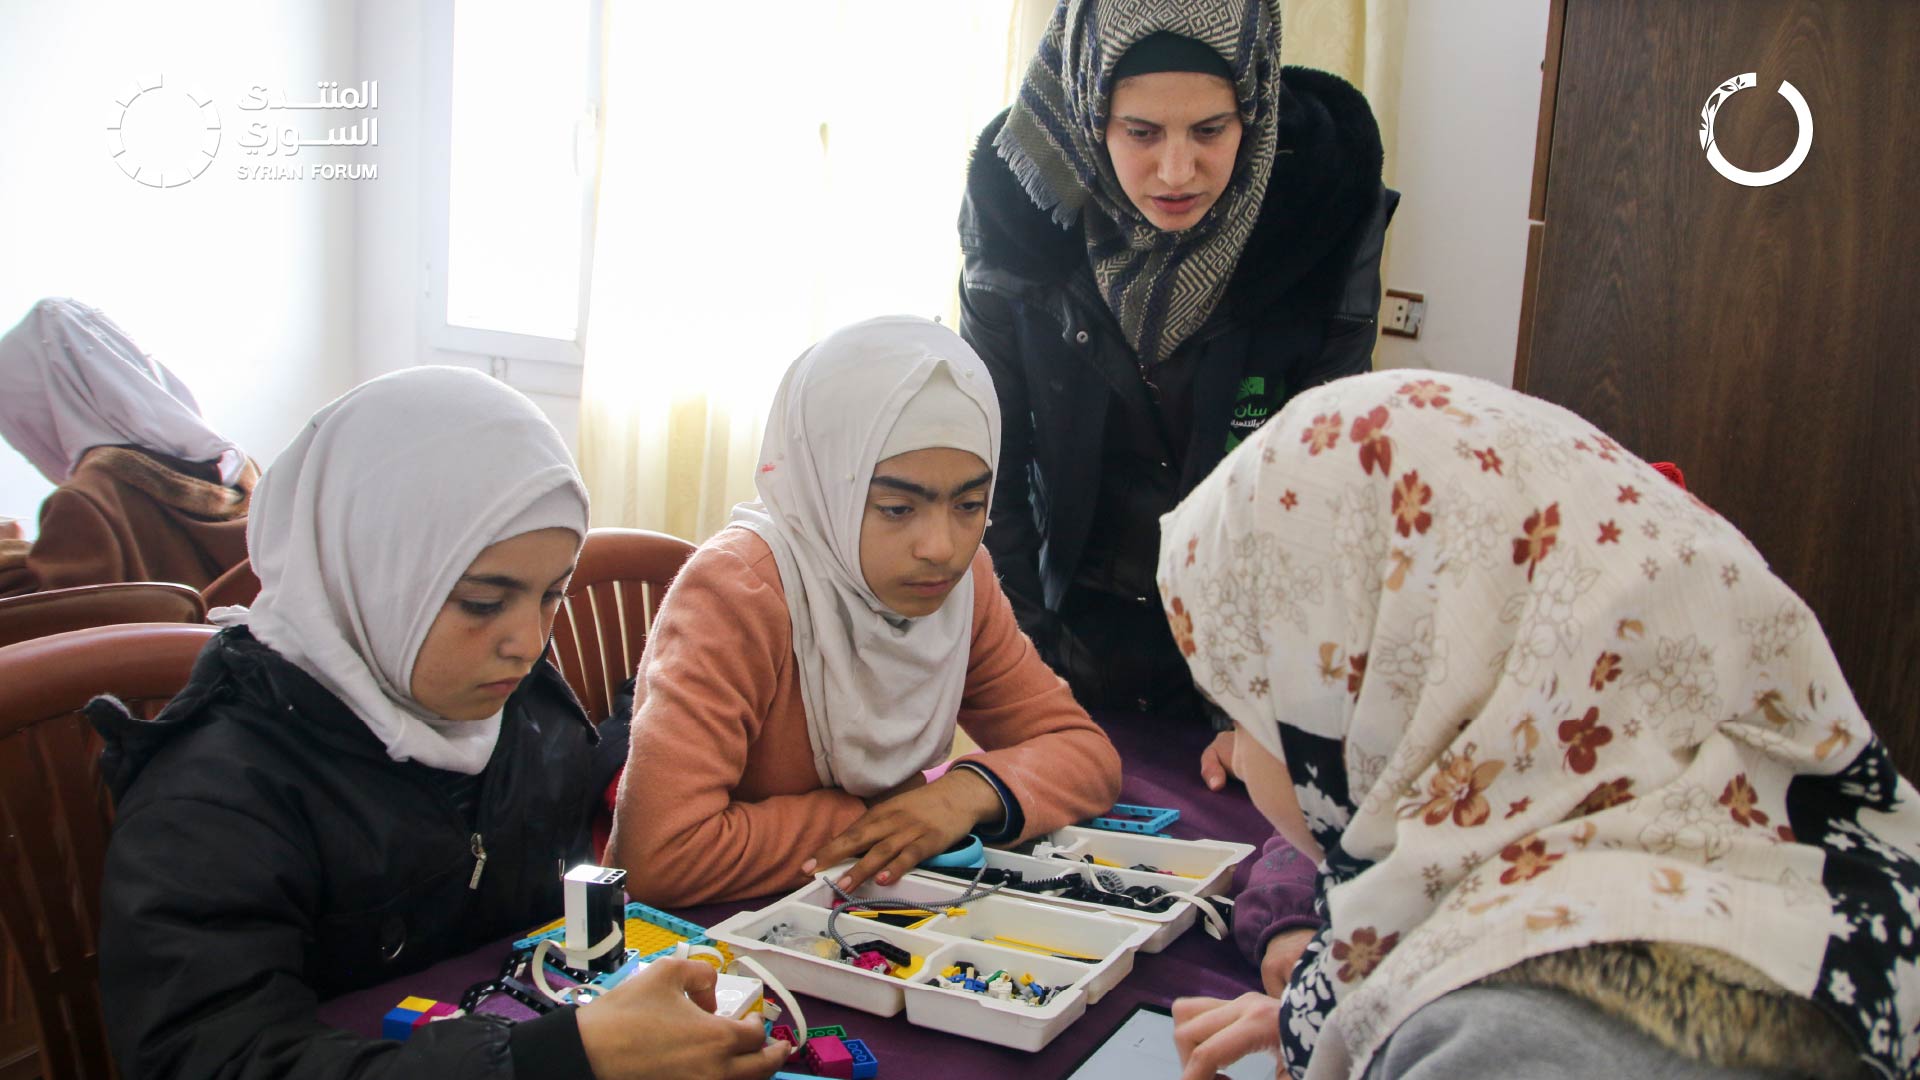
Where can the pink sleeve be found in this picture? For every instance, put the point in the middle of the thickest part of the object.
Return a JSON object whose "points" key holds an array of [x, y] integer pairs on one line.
{"points": [[720, 646], [1033, 735]]}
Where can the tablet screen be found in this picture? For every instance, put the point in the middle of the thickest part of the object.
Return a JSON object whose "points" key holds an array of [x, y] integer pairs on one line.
{"points": [[1141, 1048]]}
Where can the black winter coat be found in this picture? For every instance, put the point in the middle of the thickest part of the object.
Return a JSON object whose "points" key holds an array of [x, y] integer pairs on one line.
{"points": [[267, 854], [1089, 456]]}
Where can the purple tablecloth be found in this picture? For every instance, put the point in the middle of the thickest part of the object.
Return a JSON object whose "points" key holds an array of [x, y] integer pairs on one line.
{"points": [[1162, 769]]}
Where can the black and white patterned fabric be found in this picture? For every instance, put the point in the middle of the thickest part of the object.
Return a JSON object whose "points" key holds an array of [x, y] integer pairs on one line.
{"points": [[1870, 979]]}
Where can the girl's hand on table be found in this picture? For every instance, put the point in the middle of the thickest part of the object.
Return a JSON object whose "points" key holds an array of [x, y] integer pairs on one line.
{"points": [[902, 831], [1211, 1034]]}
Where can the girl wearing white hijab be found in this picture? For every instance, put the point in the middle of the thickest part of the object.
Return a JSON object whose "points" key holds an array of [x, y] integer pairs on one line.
{"points": [[815, 657], [147, 491], [373, 768], [1592, 793]]}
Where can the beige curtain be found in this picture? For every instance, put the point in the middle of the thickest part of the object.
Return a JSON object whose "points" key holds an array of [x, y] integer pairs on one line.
{"points": [[812, 179], [751, 199]]}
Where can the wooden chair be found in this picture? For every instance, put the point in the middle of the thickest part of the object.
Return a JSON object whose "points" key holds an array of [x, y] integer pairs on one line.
{"points": [[55, 815], [57, 611], [239, 585], [604, 620]]}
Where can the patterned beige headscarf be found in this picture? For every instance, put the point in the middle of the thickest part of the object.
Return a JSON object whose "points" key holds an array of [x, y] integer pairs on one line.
{"points": [[1534, 696]]}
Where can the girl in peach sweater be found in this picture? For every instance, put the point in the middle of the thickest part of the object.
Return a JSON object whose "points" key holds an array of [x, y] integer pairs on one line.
{"points": [[813, 658]]}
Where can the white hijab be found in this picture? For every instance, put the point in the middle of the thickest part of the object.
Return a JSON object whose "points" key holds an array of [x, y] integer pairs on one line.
{"points": [[882, 692], [70, 380], [364, 523]]}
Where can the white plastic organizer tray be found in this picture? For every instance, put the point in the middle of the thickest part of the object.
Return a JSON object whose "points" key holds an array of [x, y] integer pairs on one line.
{"points": [[1197, 867], [1206, 866], [1008, 930], [946, 939]]}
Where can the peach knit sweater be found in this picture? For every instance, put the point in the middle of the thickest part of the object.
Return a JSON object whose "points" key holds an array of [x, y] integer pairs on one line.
{"points": [[720, 799]]}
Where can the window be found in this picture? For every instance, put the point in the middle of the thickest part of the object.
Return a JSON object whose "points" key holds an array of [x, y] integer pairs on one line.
{"points": [[510, 192]]}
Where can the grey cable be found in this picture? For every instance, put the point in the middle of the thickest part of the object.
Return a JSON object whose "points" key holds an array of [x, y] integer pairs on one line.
{"points": [[974, 892]]}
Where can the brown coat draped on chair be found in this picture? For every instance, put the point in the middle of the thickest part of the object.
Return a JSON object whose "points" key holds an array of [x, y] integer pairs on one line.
{"points": [[128, 514]]}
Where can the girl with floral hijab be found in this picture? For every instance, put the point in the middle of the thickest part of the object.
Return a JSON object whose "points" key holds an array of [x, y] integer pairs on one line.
{"points": [[1563, 740]]}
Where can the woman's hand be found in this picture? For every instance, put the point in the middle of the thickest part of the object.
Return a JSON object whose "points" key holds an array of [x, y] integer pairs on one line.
{"points": [[1216, 761], [1283, 952], [909, 828], [1211, 1034], [659, 1025]]}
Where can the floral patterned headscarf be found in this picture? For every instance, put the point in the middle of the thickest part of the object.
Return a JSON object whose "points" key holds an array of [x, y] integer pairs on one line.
{"points": [[1533, 696]]}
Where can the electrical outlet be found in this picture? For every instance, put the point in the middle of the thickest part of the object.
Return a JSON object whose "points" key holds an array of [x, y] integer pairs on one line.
{"points": [[1401, 313]]}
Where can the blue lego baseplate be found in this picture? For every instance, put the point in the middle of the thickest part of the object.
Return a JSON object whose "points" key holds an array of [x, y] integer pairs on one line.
{"points": [[657, 934]]}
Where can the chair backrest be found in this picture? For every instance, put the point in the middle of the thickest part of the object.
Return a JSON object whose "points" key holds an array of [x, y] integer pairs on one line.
{"points": [[55, 815], [57, 611], [608, 612], [239, 585]]}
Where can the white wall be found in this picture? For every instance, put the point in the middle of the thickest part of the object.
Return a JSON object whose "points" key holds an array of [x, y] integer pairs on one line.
{"points": [[1469, 102], [243, 288], [389, 273]]}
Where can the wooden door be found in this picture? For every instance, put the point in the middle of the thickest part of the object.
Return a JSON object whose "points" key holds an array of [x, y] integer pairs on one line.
{"points": [[1762, 337]]}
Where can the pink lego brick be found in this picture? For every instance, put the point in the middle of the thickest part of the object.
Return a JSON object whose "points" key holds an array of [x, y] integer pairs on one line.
{"points": [[828, 1056]]}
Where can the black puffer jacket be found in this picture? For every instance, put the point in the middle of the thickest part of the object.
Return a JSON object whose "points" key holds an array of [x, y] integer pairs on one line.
{"points": [[267, 854], [1091, 453]]}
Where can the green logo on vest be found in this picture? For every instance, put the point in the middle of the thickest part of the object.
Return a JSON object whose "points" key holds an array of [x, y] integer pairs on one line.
{"points": [[1251, 407]]}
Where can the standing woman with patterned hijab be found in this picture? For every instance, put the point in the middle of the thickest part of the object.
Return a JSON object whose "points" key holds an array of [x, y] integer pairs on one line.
{"points": [[1592, 794], [147, 490], [1166, 237]]}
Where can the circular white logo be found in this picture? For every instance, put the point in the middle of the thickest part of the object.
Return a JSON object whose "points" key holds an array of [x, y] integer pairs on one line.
{"points": [[1741, 176], [163, 136]]}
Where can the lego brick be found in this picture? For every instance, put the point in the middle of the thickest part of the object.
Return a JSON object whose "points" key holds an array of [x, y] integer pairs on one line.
{"points": [[865, 1065], [1148, 820], [412, 1013], [398, 1023], [440, 1010], [835, 1030], [828, 1056]]}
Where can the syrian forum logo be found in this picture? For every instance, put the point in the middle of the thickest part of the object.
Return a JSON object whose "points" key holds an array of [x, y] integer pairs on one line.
{"points": [[165, 135], [1779, 172]]}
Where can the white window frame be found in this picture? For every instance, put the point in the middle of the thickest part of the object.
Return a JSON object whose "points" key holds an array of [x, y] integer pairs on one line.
{"points": [[436, 194]]}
